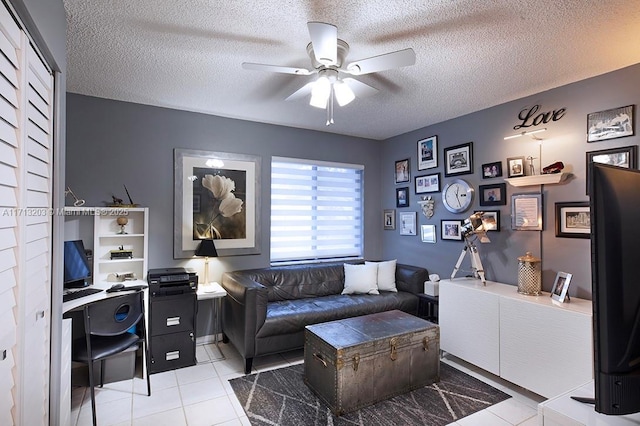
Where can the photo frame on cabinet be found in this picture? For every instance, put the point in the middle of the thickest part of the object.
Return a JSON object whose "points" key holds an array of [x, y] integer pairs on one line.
{"points": [[573, 220], [560, 290], [492, 170], [389, 219], [526, 212], [402, 172], [610, 124], [451, 230], [515, 166], [458, 160], [626, 156], [493, 195], [428, 153], [428, 233], [408, 223], [427, 183], [196, 205], [402, 197]]}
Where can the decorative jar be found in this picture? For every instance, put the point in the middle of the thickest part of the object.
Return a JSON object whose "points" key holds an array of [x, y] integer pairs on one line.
{"points": [[529, 275]]}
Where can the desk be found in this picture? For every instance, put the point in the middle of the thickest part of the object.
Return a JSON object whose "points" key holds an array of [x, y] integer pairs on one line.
{"points": [[214, 292], [81, 301]]}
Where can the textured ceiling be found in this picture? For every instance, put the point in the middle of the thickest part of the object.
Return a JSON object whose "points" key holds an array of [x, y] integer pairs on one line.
{"points": [[470, 54]]}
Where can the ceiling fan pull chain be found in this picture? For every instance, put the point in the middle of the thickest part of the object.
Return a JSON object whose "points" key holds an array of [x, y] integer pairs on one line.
{"points": [[330, 107]]}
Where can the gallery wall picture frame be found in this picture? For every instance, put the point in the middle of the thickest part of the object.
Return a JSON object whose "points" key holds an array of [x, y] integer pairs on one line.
{"points": [[389, 219], [560, 289], [428, 233], [458, 160], [573, 220], [428, 153], [451, 230], [490, 218], [402, 197], [492, 170], [428, 183], [526, 212], [408, 223], [198, 193], [515, 166], [626, 156], [493, 195], [402, 172], [610, 124]]}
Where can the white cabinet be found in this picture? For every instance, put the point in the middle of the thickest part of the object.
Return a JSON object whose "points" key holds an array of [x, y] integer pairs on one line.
{"points": [[532, 341], [99, 230]]}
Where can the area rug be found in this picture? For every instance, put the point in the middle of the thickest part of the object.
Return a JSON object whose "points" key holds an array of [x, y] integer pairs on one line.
{"points": [[280, 397]]}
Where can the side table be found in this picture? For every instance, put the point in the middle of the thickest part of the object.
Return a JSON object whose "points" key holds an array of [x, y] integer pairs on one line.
{"points": [[214, 292], [428, 307]]}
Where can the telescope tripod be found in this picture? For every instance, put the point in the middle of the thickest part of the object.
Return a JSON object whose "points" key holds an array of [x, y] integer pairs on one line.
{"points": [[476, 264]]}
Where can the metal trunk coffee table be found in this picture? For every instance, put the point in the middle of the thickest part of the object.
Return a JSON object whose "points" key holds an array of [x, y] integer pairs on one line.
{"points": [[359, 361]]}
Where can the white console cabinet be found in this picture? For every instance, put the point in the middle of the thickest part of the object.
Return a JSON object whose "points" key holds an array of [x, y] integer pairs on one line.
{"points": [[532, 341]]}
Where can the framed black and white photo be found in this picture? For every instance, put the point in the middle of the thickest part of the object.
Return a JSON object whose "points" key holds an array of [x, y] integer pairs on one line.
{"points": [[401, 172], [493, 195], [428, 183], [610, 124], [389, 219], [402, 197], [216, 195], [408, 223], [451, 230], [458, 160], [573, 220], [526, 212], [626, 156], [428, 153], [560, 288], [492, 170], [490, 219], [428, 233], [515, 166]]}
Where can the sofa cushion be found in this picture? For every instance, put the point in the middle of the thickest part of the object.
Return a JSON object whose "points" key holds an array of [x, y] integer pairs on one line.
{"points": [[360, 279], [290, 316], [386, 277]]}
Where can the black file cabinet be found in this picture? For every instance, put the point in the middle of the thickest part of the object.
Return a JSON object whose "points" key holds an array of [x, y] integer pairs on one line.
{"points": [[172, 331]]}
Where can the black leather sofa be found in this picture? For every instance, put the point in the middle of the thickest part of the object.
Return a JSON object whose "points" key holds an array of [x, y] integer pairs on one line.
{"points": [[265, 310]]}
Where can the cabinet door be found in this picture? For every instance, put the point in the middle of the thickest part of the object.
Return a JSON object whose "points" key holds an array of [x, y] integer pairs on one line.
{"points": [[545, 348], [469, 321]]}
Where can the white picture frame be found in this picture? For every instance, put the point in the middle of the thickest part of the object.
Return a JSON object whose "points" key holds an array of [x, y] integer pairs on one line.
{"points": [[408, 221], [428, 153], [560, 289], [428, 233]]}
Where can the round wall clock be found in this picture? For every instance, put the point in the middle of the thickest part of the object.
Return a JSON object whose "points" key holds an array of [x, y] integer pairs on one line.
{"points": [[457, 196]]}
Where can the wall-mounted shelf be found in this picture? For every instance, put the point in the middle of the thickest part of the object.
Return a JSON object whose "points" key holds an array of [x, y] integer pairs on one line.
{"points": [[548, 179]]}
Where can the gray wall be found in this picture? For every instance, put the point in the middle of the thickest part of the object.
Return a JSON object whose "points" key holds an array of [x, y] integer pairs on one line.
{"points": [[111, 143], [565, 140]]}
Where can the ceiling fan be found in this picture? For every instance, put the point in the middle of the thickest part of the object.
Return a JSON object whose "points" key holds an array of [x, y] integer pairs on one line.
{"points": [[327, 53]]}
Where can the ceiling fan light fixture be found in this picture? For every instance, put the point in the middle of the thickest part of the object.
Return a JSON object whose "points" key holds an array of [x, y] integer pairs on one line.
{"points": [[320, 92], [344, 94]]}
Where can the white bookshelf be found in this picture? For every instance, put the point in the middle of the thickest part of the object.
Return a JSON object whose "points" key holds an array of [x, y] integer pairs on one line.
{"points": [[98, 228]]}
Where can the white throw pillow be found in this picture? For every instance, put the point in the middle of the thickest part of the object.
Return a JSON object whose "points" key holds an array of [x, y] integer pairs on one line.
{"points": [[360, 279], [386, 275]]}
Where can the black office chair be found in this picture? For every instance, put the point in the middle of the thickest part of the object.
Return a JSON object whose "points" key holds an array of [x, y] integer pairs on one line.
{"points": [[107, 323]]}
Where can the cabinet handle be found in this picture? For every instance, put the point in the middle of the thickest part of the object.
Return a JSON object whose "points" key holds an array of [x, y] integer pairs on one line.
{"points": [[39, 315], [172, 355], [3, 356], [173, 321]]}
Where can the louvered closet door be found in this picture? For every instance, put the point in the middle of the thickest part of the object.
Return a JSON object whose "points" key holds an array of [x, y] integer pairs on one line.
{"points": [[26, 95]]}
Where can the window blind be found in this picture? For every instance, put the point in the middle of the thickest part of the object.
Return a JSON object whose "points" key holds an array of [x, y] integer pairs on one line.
{"points": [[316, 210]]}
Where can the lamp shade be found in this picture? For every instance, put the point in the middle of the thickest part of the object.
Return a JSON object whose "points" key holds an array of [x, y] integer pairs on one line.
{"points": [[206, 248]]}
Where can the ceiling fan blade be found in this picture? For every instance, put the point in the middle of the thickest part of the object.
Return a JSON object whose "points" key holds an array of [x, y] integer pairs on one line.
{"points": [[387, 61], [360, 89], [324, 39], [276, 68], [301, 92]]}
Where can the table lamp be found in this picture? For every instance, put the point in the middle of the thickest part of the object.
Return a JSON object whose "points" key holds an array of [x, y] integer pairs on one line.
{"points": [[207, 249]]}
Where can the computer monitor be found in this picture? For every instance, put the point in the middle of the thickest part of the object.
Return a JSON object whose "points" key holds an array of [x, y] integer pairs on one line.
{"points": [[77, 269]]}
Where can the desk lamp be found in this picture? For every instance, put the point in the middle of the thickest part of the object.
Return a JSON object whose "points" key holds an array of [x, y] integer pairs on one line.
{"points": [[207, 249], [474, 228]]}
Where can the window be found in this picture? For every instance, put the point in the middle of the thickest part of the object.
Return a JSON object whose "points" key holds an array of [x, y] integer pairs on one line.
{"points": [[316, 210]]}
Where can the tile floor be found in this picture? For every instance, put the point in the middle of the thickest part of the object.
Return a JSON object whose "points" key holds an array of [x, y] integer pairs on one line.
{"points": [[201, 395]]}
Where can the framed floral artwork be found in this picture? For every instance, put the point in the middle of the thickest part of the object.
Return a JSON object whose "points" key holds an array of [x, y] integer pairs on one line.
{"points": [[216, 196]]}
